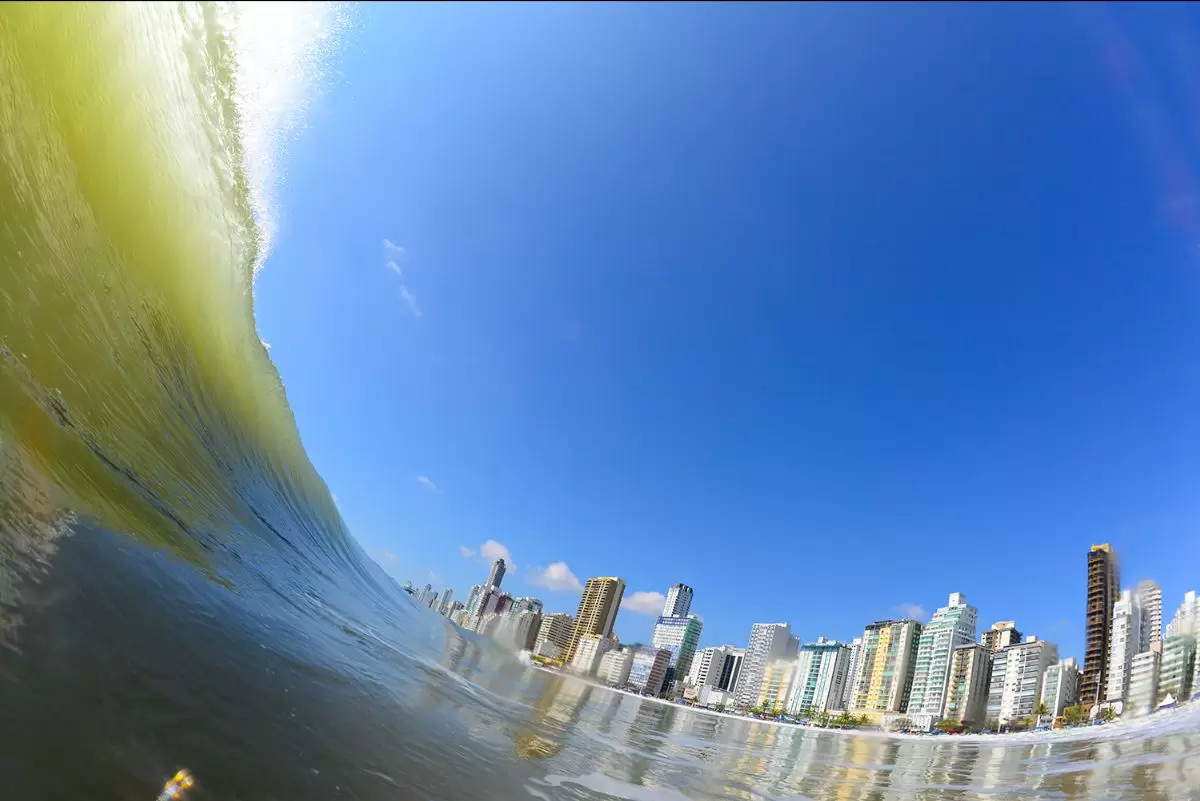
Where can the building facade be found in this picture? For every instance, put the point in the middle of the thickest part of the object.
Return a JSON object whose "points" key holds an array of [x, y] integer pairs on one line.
{"points": [[822, 668], [769, 642], [885, 671], [967, 689], [679, 636], [497, 574], [647, 670], [590, 649], [1016, 684], [679, 601], [1187, 616], [1178, 667], [1102, 590], [707, 666], [1142, 696], [731, 671], [847, 699], [1124, 643], [1149, 598], [1002, 634], [614, 667], [776, 686], [557, 629], [447, 600], [952, 625], [1060, 686], [597, 609]]}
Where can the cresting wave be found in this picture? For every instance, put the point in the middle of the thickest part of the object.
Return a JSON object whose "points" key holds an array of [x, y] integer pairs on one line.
{"points": [[140, 149]]}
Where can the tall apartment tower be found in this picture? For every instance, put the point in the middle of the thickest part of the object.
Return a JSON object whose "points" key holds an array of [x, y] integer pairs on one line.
{"points": [[885, 670], [1187, 616], [769, 642], [847, 699], [1017, 673], [679, 601], [1149, 597], [1102, 591], [820, 682], [1001, 635], [967, 690], [497, 574], [952, 625], [597, 610], [1124, 643]]}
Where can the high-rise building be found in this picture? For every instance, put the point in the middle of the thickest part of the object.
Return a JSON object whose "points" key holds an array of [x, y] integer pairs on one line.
{"points": [[590, 649], [432, 600], [423, 595], [1060, 686], [1149, 598], [1187, 616], [497, 573], [847, 699], [1124, 643], [597, 609], [555, 629], [648, 669], [821, 671], [473, 595], [1017, 673], [967, 690], [679, 601], [1001, 635], [769, 642], [525, 604], [679, 636], [1177, 667], [707, 666], [520, 631], [615, 666], [776, 686], [447, 596], [731, 670], [952, 625], [885, 670], [1102, 590], [1141, 698]]}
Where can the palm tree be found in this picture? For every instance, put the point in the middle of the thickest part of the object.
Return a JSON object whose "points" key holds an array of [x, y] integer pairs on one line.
{"points": [[1038, 711]]}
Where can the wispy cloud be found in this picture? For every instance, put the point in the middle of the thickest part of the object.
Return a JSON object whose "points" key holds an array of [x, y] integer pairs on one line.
{"points": [[645, 603], [388, 560], [393, 254], [488, 552], [427, 482], [557, 577], [910, 610]]}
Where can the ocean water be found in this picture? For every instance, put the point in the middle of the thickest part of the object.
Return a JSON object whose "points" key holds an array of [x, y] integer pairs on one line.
{"points": [[177, 589]]}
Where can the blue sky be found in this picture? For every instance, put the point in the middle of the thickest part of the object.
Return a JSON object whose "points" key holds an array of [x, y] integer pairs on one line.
{"points": [[825, 311]]}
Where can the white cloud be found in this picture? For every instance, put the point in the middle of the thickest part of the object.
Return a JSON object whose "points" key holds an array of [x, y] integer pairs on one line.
{"points": [[487, 553], [391, 265], [426, 482], [411, 300], [910, 610], [391, 247], [645, 603], [557, 577], [388, 560]]}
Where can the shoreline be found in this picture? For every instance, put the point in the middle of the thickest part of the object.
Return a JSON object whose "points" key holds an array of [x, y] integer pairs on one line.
{"points": [[1117, 728]]}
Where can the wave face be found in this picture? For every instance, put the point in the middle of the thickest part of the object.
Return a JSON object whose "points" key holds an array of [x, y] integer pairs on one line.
{"points": [[177, 588]]}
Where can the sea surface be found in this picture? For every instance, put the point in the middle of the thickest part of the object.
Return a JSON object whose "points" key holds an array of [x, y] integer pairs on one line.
{"points": [[177, 588]]}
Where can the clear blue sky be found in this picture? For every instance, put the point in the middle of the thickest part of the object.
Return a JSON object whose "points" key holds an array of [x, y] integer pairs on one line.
{"points": [[827, 312]]}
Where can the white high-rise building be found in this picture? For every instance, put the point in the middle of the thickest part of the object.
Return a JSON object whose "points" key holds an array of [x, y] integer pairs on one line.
{"points": [[952, 625], [1187, 616], [820, 681], [447, 598], [1149, 597], [1124, 643], [1060, 686], [847, 698], [1142, 696], [679, 601], [1177, 667], [497, 573], [769, 642], [706, 666], [590, 649], [1017, 673], [614, 667], [648, 670]]}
